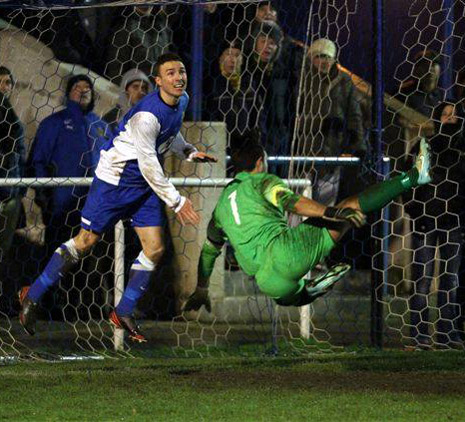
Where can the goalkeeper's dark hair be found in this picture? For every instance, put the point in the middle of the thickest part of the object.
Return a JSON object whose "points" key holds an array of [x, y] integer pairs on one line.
{"points": [[164, 58], [247, 151], [5, 71]]}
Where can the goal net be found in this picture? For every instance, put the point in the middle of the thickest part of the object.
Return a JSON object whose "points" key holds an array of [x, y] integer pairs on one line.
{"points": [[302, 74]]}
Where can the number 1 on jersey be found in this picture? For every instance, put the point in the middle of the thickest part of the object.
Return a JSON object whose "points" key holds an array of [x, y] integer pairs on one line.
{"points": [[235, 211]]}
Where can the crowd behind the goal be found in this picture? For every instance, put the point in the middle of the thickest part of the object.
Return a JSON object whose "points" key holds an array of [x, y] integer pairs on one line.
{"points": [[254, 76]]}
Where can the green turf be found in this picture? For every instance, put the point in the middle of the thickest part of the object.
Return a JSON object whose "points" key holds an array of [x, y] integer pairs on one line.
{"points": [[369, 386]]}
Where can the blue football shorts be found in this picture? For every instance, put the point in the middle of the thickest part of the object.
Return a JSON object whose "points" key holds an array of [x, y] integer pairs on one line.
{"points": [[106, 204]]}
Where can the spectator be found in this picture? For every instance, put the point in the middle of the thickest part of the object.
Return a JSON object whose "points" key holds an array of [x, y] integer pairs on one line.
{"points": [[67, 144], [278, 116], [12, 161], [230, 102], [252, 16], [435, 210], [135, 85], [269, 77], [421, 92], [330, 120], [266, 12], [140, 38]]}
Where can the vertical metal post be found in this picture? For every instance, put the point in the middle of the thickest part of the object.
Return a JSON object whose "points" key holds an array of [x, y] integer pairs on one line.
{"points": [[376, 329], [274, 310], [447, 64], [304, 311], [197, 62], [118, 338], [386, 231]]}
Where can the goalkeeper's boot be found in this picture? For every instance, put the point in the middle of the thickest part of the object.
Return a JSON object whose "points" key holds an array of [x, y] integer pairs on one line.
{"points": [[423, 163], [320, 285], [28, 312], [129, 324]]}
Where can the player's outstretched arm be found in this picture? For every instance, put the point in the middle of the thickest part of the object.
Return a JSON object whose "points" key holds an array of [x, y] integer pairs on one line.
{"points": [[205, 268], [184, 150], [350, 215], [309, 208], [187, 214], [210, 251], [202, 157]]}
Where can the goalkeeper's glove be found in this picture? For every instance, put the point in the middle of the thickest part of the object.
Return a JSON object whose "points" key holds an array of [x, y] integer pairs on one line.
{"points": [[350, 215], [197, 299]]}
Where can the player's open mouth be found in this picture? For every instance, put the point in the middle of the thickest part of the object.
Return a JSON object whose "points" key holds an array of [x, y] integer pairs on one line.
{"points": [[179, 86]]}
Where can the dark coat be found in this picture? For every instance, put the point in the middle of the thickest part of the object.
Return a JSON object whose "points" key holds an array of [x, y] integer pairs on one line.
{"points": [[330, 121], [137, 43], [12, 149], [440, 203], [236, 107]]}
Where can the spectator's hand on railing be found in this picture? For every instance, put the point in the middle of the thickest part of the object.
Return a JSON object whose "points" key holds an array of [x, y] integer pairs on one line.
{"points": [[34, 234]]}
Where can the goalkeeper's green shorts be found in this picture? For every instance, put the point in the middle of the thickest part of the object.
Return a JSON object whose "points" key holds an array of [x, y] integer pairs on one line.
{"points": [[289, 257]]}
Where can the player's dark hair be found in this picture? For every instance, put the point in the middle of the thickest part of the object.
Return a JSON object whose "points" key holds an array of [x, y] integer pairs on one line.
{"points": [[164, 58], [248, 150], [5, 71]]}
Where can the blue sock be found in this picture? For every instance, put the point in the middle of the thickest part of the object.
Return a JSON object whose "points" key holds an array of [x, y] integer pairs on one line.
{"points": [[60, 263], [139, 280]]}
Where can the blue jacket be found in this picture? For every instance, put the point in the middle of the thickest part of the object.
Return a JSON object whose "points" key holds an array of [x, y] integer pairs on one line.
{"points": [[67, 144]]}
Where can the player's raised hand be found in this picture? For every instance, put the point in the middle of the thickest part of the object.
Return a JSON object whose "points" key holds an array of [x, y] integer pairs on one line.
{"points": [[351, 215], [197, 299], [202, 157], [187, 214]]}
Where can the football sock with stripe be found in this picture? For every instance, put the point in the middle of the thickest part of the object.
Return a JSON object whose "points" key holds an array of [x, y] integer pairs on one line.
{"points": [[63, 259], [139, 279]]}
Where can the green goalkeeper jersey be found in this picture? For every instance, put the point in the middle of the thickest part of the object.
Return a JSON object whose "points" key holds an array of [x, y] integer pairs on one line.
{"points": [[250, 213]]}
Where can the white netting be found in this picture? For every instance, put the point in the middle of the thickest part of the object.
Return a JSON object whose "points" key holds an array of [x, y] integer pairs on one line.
{"points": [[424, 298], [256, 68]]}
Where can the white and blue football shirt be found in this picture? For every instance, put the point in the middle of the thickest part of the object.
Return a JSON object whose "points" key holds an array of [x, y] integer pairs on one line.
{"points": [[134, 157]]}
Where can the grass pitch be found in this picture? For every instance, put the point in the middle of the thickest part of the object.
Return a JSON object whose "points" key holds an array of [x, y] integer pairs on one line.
{"points": [[367, 386]]}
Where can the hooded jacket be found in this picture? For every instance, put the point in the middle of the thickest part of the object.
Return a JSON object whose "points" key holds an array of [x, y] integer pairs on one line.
{"points": [[67, 144]]}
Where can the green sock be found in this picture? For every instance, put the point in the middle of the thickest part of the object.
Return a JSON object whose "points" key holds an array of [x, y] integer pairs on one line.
{"points": [[377, 196]]}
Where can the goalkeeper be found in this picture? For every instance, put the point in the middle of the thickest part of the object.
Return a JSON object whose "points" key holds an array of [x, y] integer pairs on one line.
{"points": [[250, 214]]}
